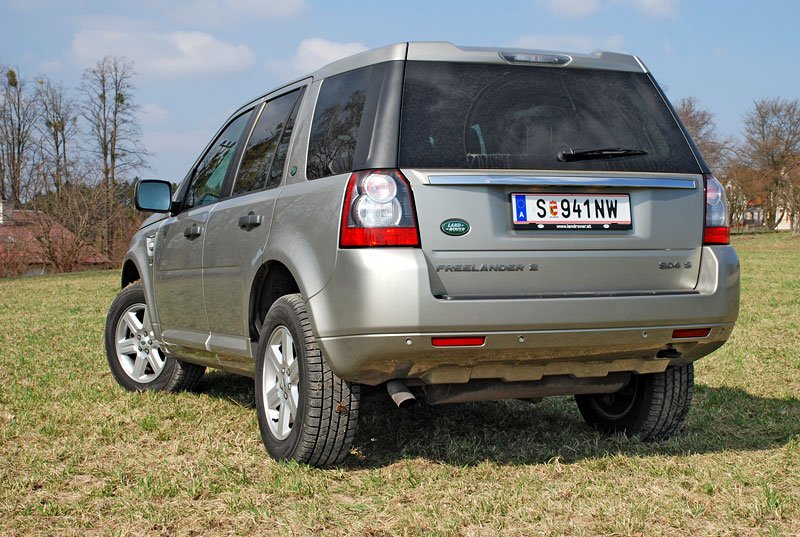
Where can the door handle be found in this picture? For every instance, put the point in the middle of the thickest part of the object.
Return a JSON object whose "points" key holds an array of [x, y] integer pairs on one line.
{"points": [[192, 232], [249, 221]]}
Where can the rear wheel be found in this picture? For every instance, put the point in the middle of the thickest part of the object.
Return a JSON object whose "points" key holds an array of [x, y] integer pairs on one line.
{"points": [[305, 412], [652, 407], [134, 354]]}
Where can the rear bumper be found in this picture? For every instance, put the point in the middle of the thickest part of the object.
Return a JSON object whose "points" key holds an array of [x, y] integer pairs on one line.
{"points": [[376, 316]]}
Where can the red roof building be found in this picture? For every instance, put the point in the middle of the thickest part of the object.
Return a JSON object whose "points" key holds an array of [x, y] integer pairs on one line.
{"points": [[32, 242]]}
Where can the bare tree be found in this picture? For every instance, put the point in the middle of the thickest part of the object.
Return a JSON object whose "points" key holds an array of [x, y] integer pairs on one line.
{"points": [[19, 112], [110, 109], [772, 150], [701, 125], [3, 69], [58, 127], [64, 224], [743, 185]]}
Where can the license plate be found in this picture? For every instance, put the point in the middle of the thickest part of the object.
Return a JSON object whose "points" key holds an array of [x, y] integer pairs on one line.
{"points": [[571, 211]]}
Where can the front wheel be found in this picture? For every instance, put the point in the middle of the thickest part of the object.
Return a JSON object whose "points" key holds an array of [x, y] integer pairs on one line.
{"points": [[134, 354], [652, 407], [305, 412]]}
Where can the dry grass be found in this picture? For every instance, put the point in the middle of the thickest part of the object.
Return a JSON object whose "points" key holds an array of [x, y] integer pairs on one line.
{"points": [[81, 456]]}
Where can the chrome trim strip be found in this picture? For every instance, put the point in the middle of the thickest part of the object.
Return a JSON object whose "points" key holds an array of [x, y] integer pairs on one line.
{"points": [[617, 182]]}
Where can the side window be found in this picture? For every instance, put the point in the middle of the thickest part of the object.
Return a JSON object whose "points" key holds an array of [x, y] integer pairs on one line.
{"points": [[276, 173], [337, 118], [270, 136], [209, 175]]}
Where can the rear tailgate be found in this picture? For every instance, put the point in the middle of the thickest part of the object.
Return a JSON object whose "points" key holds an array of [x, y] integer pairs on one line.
{"points": [[494, 257], [549, 180]]}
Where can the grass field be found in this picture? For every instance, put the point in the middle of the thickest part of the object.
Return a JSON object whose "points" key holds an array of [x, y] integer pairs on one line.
{"points": [[78, 455]]}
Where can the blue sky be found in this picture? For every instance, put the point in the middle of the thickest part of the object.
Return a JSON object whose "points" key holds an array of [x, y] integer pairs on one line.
{"points": [[198, 60]]}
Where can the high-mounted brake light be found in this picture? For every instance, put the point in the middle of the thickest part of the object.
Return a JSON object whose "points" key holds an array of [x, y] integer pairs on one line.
{"points": [[545, 59], [717, 229], [378, 211]]}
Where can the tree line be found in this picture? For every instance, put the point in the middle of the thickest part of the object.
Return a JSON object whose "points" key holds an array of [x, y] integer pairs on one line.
{"points": [[761, 170], [68, 158]]}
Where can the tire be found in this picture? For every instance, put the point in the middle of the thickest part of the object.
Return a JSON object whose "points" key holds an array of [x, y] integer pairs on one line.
{"points": [[305, 412], [652, 407], [135, 356]]}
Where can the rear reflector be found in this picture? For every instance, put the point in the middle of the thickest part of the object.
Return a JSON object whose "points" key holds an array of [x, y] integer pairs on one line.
{"points": [[458, 341], [690, 332]]}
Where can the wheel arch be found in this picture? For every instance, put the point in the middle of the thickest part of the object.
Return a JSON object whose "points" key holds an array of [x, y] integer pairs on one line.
{"points": [[272, 280], [130, 273]]}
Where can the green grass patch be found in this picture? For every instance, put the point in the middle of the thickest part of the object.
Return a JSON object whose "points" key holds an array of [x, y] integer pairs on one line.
{"points": [[79, 455]]}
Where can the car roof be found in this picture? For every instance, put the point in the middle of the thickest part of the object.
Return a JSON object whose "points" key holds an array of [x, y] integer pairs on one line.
{"points": [[448, 52]]}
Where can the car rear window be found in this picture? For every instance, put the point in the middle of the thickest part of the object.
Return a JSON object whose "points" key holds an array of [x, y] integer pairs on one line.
{"points": [[478, 116], [337, 118]]}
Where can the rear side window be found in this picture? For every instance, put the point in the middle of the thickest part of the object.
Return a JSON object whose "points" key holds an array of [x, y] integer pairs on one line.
{"points": [[336, 123], [269, 138], [278, 163], [462, 115], [209, 175]]}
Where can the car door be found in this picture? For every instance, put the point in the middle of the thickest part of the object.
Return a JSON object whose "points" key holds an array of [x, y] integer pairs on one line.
{"points": [[238, 229], [178, 282]]}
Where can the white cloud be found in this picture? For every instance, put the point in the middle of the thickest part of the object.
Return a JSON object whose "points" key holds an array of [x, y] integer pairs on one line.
{"points": [[171, 54], [316, 52], [573, 8], [313, 53], [655, 8], [228, 12], [570, 43], [152, 114]]}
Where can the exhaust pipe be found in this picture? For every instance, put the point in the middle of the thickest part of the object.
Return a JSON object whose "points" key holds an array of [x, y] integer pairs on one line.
{"points": [[400, 394]]}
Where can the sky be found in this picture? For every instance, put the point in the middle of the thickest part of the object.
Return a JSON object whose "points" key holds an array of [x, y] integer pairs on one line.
{"points": [[196, 61]]}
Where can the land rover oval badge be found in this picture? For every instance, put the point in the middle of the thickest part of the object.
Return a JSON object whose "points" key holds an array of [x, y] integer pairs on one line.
{"points": [[455, 227]]}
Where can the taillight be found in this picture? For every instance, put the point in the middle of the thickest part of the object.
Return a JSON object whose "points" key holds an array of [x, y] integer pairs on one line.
{"points": [[378, 211], [717, 228]]}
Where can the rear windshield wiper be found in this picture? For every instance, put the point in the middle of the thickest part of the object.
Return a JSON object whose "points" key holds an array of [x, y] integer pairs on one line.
{"points": [[572, 154]]}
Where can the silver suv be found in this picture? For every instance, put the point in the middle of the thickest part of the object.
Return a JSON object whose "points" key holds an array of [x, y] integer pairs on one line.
{"points": [[459, 224]]}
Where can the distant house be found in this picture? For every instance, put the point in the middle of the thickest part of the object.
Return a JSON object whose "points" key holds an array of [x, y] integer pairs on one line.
{"points": [[33, 243], [753, 217]]}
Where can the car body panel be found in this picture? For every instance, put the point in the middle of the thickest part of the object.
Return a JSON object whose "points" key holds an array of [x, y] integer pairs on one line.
{"points": [[233, 257], [178, 277], [549, 261]]}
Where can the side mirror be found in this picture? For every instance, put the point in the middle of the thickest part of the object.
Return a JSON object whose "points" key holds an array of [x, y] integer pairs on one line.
{"points": [[153, 195]]}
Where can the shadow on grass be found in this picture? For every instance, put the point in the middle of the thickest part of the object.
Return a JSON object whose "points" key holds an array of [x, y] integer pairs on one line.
{"points": [[234, 388], [516, 432]]}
